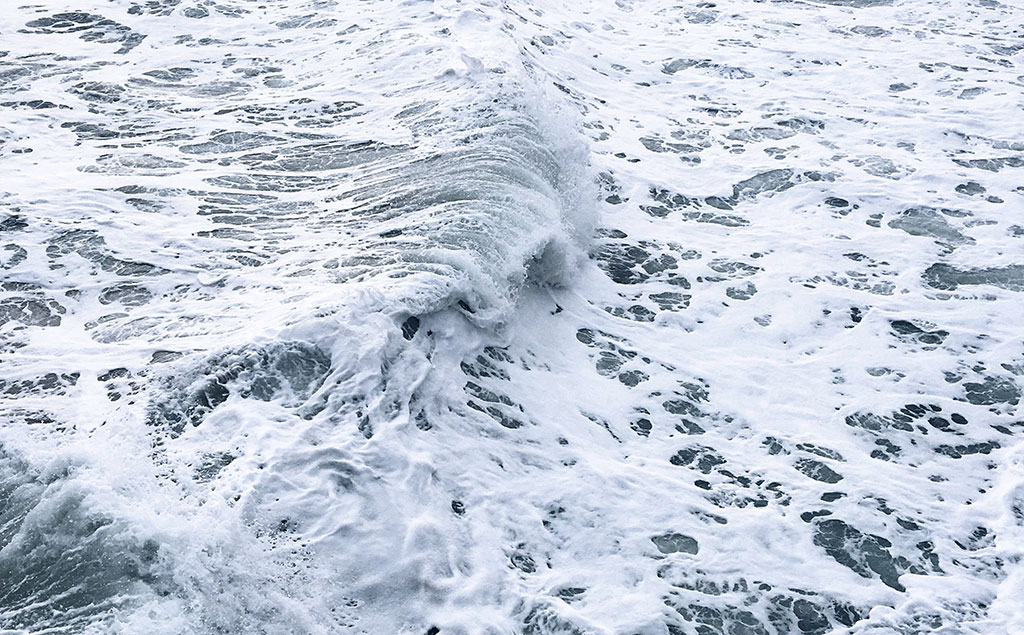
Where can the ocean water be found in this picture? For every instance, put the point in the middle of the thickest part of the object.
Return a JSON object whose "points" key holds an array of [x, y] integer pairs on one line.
{"points": [[538, 318]]}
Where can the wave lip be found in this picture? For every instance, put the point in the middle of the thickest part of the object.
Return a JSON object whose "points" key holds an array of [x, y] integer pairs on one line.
{"points": [[490, 197]]}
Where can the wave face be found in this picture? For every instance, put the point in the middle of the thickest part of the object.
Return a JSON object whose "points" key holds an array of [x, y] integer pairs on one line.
{"points": [[239, 222], [510, 317]]}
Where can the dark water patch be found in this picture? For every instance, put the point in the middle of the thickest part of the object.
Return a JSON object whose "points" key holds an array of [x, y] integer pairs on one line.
{"points": [[774, 446], [94, 132], [90, 245], [873, 282], [899, 420], [993, 390], [13, 223], [610, 189], [91, 27], [119, 383], [523, 561], [11, 73], [173, 74], [817, 471], [730, 269], [675, 543], [738, 606], [900, 432], [635, 312], [286, 371], [801, 124], [671, 300], [15, 255], [488, 364], [128, 294], [613, 360], [410, 326], [862, 553], [34, 104], [714, 218], [31, 311], [571, 594], [699, 457], [687, 409], [642, 426], [628, 263], [47, 384], [146, 205], [970, 188], [928, 221], [162, 357], [771, 181], [153, 7], [909, 331], [497, 406], [231, 234], [690, 208], [991, 165], [620, 260], [658, 145], [742, 292], [668, 202], [544, 620], [100, 92], [948, 277], [819, 450], [727, 619], [961, 450]]}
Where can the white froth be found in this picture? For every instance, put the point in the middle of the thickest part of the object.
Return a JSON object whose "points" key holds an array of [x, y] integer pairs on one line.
{"points": [[299, 332]]}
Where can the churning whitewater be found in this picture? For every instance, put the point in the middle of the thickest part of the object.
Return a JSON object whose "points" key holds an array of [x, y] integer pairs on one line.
{"points": [[538, 318]]}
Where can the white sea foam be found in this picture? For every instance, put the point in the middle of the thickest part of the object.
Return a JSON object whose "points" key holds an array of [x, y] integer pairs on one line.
{"points": [[299, 331]]}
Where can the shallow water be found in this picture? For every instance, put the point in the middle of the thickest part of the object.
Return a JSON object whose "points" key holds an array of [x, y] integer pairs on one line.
{"points": [[413, 317]]}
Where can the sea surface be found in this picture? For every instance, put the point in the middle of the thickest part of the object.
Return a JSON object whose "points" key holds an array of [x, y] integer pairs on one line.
{"points": [[531, 317]]}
